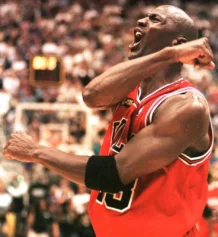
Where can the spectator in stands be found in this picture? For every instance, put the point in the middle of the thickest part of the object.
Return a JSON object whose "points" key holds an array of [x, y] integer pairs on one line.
{"points": [[5, 204], [40, 220], [18, 189]]}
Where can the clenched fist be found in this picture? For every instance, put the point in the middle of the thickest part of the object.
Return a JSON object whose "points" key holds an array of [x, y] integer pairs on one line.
{"points": [[196, 52], [20, 146]]}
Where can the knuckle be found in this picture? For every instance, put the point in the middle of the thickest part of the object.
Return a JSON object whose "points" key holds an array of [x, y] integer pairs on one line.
{"points": [[205, 40]]}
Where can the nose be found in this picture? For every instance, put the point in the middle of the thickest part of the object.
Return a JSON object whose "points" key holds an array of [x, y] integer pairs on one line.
{"points": [[142, 22]]}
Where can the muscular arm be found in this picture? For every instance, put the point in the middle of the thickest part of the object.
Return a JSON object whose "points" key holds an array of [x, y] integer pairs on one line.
{"points": [[176, 127], [154, 147], [112, 86], [157, 145]]}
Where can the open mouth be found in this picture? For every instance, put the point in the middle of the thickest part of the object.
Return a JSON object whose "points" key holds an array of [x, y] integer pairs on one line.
{"points": [[138, 35]]}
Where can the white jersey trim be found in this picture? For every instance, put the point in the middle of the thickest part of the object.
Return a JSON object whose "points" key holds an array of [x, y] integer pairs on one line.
{"points": [[139, 91], [160, 100]]}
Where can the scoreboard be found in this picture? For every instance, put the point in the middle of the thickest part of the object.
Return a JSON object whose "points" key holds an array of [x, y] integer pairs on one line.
{"points": [[46, 71]]}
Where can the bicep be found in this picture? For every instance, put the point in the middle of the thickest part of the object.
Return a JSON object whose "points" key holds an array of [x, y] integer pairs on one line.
{"points": [[147, 152], [160, 143]]}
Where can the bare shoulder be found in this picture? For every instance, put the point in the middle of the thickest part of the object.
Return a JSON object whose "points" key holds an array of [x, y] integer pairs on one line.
{"points": [[185, 116], [184, 106]]}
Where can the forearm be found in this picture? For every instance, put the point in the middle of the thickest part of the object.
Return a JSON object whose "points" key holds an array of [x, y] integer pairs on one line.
{"points": [[67, 165], [100, 174], [113, 85]]}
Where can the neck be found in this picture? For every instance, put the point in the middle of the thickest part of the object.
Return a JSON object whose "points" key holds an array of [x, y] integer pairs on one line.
{"points": [[159, 79]]}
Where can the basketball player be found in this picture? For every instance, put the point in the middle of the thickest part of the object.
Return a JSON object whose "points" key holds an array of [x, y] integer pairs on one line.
{"points": [[150, 178]]}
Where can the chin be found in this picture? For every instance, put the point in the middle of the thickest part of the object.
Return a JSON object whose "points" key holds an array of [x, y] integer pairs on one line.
{"points": [[141, 52], [133, 55]]}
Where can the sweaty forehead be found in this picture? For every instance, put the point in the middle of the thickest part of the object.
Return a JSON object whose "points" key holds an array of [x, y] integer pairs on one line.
{"points": [[178, 20], [171, 12]]}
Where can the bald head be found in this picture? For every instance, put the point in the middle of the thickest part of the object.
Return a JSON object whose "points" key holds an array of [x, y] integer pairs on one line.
{"points": [[184, 25], [162, 27]]}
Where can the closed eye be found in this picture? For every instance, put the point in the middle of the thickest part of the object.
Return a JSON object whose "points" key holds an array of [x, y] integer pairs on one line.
{"points": [[154, 18]]}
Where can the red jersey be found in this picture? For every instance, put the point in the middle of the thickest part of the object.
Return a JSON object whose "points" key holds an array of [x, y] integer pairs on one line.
{"points": [[203, 227], [212, 203], [165, 203]]}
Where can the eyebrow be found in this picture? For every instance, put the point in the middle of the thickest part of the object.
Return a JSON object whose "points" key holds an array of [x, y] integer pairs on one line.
{"points": [[156, 14]]}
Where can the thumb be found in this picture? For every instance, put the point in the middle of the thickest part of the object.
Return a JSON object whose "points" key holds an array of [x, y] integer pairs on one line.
{"points": [[210, 65]]}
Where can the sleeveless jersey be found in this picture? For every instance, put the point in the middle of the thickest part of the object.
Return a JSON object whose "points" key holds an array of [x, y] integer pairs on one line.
{"points": [[165, 203]]}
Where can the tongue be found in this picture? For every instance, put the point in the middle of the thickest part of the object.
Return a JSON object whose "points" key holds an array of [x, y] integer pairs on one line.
{"points": [[137, 40]]}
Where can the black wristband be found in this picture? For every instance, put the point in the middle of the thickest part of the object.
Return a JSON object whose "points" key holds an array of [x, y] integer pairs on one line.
{"points": [[101, 174]]}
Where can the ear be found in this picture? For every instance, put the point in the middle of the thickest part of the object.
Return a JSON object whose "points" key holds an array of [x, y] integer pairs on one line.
{"points": [[179, 40]]}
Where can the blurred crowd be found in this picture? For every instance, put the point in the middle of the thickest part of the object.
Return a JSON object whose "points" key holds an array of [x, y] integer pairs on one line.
{"points": [[46, 206], [90, 37]]}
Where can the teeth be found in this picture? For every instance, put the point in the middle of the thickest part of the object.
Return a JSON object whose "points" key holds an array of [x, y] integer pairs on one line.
{"points": [[138, 34]]}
